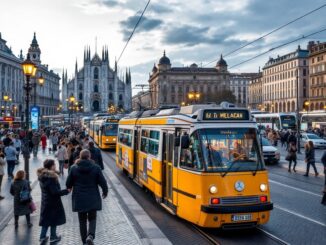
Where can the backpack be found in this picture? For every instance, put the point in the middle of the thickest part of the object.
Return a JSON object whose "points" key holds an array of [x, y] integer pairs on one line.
{"points": [[25, 194]]}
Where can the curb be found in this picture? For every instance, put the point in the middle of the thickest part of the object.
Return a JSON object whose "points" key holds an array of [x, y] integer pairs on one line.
{"points": [[151, 234]]}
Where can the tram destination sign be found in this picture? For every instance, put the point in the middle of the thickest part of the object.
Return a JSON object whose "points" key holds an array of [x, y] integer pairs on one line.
{"points": [[225, 115]]}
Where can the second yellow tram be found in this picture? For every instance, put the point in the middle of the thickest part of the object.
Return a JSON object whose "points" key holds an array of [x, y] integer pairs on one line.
{"points": [[104, 132], [203, 163]]}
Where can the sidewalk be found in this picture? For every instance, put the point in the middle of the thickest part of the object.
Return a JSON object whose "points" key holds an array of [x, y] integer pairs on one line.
{"points": [[115, 225]]}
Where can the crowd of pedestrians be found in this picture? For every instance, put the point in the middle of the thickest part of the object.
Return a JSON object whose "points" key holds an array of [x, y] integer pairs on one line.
{"points": [[83, 162]]}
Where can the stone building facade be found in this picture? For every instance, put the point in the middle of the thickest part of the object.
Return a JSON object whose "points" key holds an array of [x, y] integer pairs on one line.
{"points": [[172, 85], [96, 86], [255, 92], [280, 81], [12, 81], [317, 76], [141, 100], [239, 83]]}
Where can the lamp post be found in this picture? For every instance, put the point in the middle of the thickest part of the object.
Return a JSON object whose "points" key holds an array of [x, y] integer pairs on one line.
{"points": [[6, 99], [71, 106], [29, 69], [298, 114], [194, 96]]}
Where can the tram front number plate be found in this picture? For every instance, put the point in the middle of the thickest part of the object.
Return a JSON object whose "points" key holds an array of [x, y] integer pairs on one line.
{"points": [[241, 217]]}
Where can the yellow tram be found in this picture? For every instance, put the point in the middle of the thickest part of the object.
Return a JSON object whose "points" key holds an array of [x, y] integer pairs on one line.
{"points": [[104, 132], [203, 163]]}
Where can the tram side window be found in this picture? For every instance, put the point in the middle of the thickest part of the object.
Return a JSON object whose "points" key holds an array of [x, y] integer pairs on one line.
{"points": [[125, 136], [150, 141], [192, 156]]}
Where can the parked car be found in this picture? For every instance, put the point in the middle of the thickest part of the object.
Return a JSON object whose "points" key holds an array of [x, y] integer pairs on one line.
{"points": [[271, 153], [318, 142]]}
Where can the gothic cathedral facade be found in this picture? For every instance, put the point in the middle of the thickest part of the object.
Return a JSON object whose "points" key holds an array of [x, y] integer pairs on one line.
{"points": [[96, 86]]}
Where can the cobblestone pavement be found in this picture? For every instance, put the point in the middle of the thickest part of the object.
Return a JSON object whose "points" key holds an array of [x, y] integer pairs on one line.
{"points": [[113, 226]]}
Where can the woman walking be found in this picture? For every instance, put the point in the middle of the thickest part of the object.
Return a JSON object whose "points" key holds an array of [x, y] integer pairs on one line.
{"points": [[43, 141], [292, 156], [11, 157], [310, 157], [62, 156], [21, 207], [52, 211]]}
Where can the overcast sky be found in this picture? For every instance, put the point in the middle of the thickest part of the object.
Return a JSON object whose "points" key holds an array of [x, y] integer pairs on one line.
{"points": [[190, 31]]}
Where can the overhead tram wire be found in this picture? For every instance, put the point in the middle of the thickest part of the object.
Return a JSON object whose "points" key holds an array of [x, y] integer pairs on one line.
{"points": [[133, 31], [269, 33], [279, 46]]}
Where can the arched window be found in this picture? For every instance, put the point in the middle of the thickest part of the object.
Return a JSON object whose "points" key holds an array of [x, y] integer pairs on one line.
{"points": [[80, 96], [80, 86], [120, 97], [95, 73], [110, 96], [95, 88], [110, 86]]}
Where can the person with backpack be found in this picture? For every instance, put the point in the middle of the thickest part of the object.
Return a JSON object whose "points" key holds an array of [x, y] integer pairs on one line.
{"points": [[292, 156], [20, 189]]}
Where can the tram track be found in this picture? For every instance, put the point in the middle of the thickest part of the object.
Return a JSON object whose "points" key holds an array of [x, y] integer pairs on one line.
{"points": [[216, 239]]}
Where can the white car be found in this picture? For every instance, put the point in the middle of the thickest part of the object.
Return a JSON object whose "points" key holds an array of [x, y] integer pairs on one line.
{"points": [[271, 153], [316, 140]]}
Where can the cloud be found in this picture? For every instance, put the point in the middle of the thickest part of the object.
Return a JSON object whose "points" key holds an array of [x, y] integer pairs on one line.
{"points": [[146, 24], [193, 35], [111, 3]]}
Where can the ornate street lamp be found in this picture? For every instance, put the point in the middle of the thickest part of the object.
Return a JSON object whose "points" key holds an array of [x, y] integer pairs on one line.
{"points": [[29, 69], [41, 80]]}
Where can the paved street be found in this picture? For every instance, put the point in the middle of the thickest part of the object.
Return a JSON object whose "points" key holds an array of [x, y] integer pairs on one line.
{"points": [[115, 225]]}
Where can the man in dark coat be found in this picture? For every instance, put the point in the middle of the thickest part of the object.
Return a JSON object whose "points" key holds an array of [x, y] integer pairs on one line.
{"points": [[7, 140], [52, 211], [84, 179], [96, 155]]}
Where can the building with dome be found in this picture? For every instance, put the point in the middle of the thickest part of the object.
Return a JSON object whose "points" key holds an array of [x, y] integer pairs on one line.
{"points": [[172, 85], [96, 86]]}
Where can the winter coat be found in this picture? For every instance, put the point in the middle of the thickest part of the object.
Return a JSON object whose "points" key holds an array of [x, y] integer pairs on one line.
{"points": [[6, 141], [11, 153], [96, 156], [62, 154], [36, 140], [52, 211], [310, 155], [2, 166], [292, 152], [15, 189], [85, 177], [43, 140]]}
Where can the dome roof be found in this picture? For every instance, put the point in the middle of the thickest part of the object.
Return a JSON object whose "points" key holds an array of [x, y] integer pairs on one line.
{"points": [[164, 60], [194, 65], [221, 62]]}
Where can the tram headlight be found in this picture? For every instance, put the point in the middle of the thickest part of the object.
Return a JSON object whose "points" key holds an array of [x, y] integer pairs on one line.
{"points": [[263, 187], [213, 189], [107, 140], [114, 139]]}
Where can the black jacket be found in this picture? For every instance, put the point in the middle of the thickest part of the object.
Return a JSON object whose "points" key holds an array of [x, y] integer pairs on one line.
{"points": [[15, 189], [84, 178], [323, 159], [310, 155], [52, 211], [96, 156]]}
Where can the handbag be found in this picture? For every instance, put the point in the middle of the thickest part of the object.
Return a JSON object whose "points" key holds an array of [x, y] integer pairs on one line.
{"points": [[25, 194], [288, 157], [32, 206]]}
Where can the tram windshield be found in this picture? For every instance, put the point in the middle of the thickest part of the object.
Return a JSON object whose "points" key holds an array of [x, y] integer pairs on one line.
{"points": [[111, 129], [223, 150]]}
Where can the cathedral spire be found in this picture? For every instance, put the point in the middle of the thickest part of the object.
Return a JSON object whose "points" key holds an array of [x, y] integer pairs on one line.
{"points": [[115, 65], [76, 66]]}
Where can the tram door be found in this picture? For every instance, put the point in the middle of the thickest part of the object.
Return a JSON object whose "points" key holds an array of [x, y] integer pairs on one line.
{"points": [[167, 167], [136, 154]]}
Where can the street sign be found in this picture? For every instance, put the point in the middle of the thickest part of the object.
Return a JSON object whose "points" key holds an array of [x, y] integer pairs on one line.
{"points": [[35, 114], [8, 119]]}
